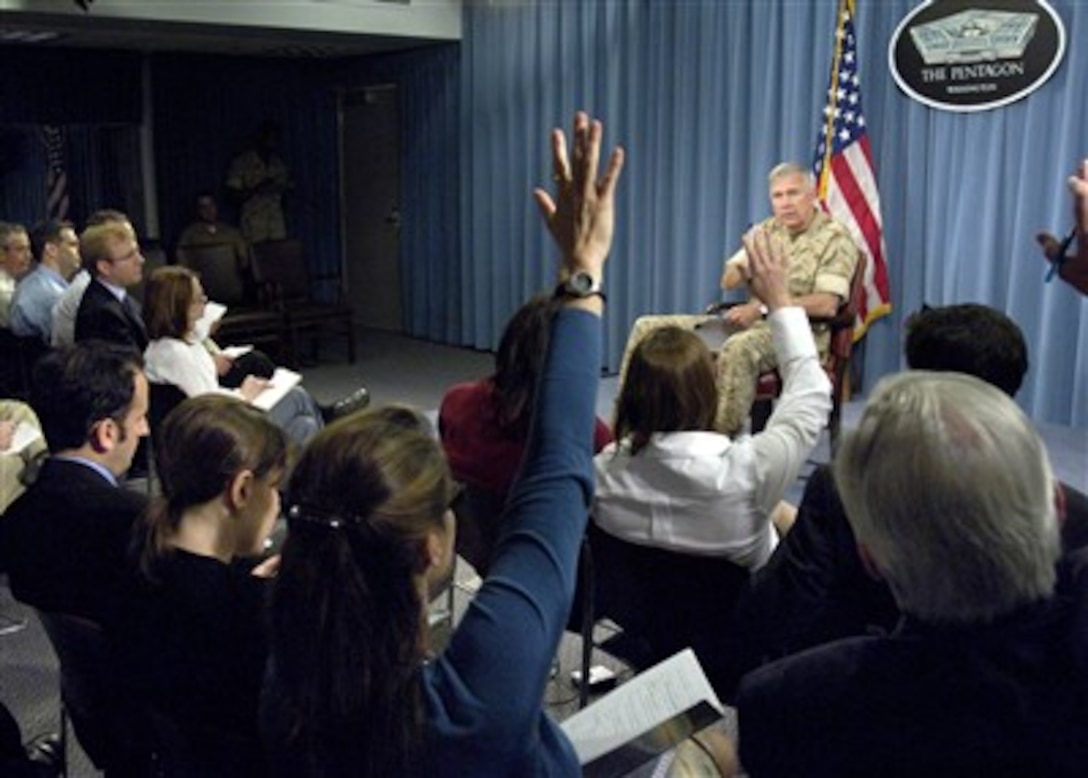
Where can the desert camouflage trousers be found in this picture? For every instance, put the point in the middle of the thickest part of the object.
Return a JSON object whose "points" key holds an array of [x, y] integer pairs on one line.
{"points": [[742, 355]]}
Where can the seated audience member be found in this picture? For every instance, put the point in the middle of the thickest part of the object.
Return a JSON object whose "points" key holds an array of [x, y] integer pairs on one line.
{"points": [[67, 307], [484, 425], [14, 264], [64, 541], [57, 248], [820, 256], [193, 637], [1073, 268], [350, 686], [952, 500], [176, 355], [106, 311], [670, 480], [815, 588], [14, 416], [207, 230]]}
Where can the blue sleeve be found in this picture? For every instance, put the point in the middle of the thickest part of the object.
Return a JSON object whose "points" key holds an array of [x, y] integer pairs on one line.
{"points": [[489, 683]]}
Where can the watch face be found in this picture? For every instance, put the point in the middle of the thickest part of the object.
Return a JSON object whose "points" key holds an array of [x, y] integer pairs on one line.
{"points": [[580, 283]]}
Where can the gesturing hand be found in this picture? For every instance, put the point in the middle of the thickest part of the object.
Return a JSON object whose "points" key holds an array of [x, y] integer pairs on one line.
{"points": [[581, 217], [1078, 185], [767, 267]]}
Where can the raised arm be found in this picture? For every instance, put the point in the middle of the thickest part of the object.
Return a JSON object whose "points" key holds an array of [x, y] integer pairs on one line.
{"points": [[1074, 271], [801, 412], [504, 646], [1072, 268]]}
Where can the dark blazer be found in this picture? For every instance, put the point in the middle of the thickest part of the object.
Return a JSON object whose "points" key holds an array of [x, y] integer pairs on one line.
{"points": [[1005, 698], [102, 316], [814, 588], [64, 542]]}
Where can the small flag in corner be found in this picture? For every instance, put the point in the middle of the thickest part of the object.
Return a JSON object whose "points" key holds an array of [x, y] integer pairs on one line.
{"points": [[56, 179]]}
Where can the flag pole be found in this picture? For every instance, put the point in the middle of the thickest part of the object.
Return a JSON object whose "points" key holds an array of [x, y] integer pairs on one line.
{"points": [[829, 120]]}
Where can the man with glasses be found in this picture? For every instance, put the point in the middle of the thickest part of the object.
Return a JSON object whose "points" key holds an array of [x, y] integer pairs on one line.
{"points": [[14, 264], [64, 541], [57, 248], [107, 312]]}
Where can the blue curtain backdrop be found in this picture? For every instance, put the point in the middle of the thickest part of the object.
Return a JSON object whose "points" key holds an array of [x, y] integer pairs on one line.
{"points": [[707, 97]]}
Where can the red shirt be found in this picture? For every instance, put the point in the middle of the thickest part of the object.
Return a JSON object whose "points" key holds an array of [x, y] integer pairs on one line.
{"points": [[480, 453]]}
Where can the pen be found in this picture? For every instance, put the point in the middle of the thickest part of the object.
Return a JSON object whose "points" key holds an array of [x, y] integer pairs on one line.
{"points": [[1060, 256]]}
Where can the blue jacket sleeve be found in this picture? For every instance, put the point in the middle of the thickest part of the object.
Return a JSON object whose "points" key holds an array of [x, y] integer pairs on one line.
{"points": [[487, 686]]}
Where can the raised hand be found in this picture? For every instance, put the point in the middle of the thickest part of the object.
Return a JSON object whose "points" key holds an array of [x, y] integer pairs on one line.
{"points": [[767, 261], [581, 216]]}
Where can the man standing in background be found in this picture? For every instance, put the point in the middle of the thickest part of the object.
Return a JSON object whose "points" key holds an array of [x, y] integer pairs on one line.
{"points": [[258, 178]]}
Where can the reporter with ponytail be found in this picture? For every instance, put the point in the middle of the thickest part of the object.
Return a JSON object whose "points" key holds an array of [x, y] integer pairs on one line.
{"points": [[194, 637], [352, 690]]}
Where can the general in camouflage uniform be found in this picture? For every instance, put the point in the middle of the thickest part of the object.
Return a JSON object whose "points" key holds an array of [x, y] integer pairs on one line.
{"points": [[822, 257]]}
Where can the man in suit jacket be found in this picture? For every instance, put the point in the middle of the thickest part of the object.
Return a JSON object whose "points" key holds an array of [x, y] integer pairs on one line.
{"points": [[107, 312], [815, 589], [64, 542], [953, 502]]}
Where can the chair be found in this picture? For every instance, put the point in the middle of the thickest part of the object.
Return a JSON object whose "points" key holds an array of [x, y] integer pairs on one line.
{"points": [[283, 281], [664, 600], [113, 730], [162, 398], [222, 280], [18, 355], [840, 349]]}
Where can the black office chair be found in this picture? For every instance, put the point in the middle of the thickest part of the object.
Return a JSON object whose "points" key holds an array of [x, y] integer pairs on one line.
{"points": [[116, 733], [664, 600], [18, 355]]}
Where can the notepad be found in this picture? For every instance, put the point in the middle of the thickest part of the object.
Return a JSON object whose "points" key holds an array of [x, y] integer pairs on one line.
{"points": [[650, 713], [24, 435], [233, 352], [281, 382], [213, 312]]}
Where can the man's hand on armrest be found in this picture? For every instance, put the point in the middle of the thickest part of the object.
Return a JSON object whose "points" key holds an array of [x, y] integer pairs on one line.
{"points": [[744, 315]]}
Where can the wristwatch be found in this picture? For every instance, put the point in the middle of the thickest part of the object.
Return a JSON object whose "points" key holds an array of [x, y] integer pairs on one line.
{"points": [[580, 284]]}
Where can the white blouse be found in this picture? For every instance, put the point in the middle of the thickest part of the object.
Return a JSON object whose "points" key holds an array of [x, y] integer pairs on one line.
{"points": [[187, 365], [706, 493]]}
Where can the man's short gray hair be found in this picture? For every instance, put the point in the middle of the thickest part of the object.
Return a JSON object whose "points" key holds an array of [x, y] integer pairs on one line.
{"points": [[783, 169], [949, 488], [8, 229]]}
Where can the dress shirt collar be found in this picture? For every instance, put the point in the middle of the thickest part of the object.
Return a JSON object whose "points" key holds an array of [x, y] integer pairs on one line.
{"points": [[117, 291], [97, 467]]}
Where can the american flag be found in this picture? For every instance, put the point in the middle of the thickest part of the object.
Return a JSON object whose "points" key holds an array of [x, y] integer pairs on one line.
{"points": [[844, 169], [56, 180]]}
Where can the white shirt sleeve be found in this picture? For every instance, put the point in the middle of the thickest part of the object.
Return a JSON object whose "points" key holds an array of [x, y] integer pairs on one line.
{"points": [[801, 412], [187, 366]]}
